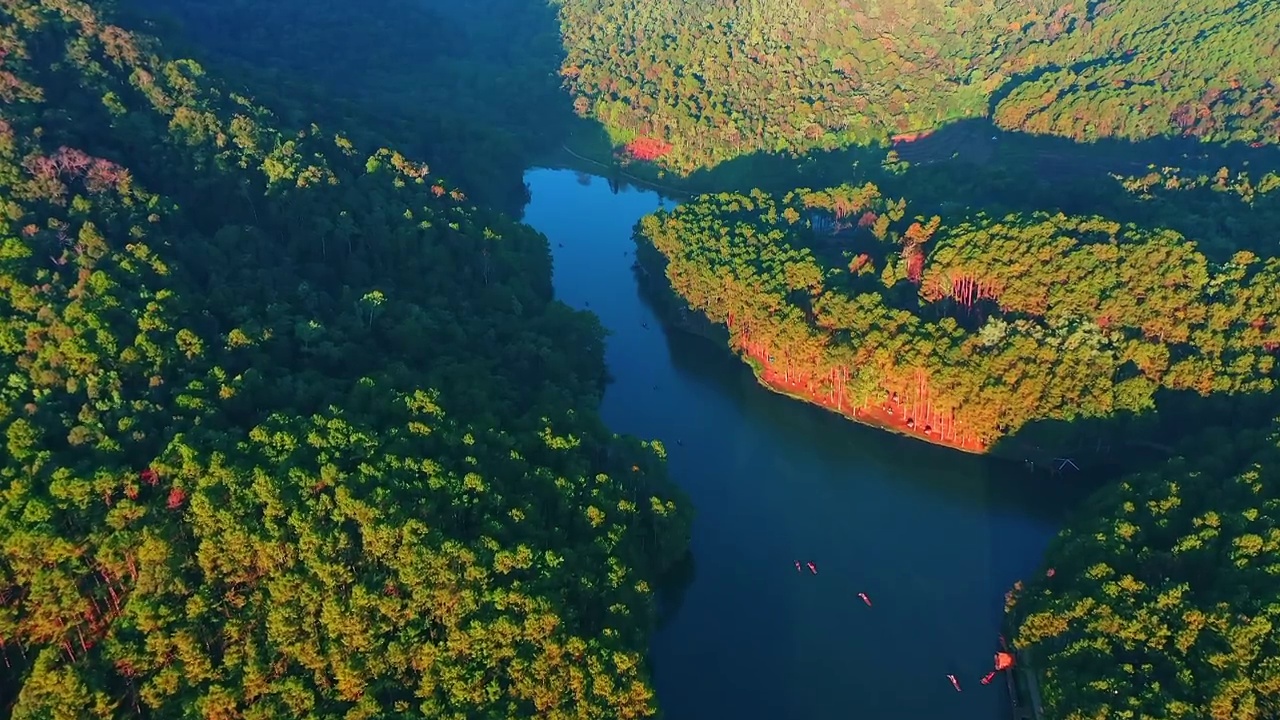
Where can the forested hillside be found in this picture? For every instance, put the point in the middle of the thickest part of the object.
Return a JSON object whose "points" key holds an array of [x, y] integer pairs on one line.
{"points": [[470, 87], [1225, 210], [718, 80], [291, 429], [1160, 598], [964, 332]]}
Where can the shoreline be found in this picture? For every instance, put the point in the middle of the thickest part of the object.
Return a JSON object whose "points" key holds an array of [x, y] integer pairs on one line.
{"points": [[873, 417], [640, 182], [676, 314], [1037, 449], [1008, 448]]}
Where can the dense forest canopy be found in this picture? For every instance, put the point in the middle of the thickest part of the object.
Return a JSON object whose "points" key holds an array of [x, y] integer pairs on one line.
{"points": [[293, 425], [967, 331], [717, 80], [291, 428], [1159, 599], [1227, 209], [470, 87], [1162, 600]]}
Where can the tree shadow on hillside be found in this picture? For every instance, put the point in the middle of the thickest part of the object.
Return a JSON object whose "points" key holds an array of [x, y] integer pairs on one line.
{"points": [[1129, 443], [471, 88], [977, 145], [970, 166]]}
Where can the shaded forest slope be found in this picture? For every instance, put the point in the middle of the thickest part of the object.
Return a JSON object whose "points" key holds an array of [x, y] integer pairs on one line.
{"points": [[469, 87], [290, 427]]}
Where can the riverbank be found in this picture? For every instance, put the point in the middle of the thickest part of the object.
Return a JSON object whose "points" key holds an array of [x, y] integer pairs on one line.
{"points": [[1066, 454], [1023, 682], [587, 148], [774, 482], [650, 270], [944, 168], [616, 173], [881, 418]]}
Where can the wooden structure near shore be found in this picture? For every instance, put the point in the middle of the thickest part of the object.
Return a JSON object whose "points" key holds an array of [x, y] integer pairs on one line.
{"points": [[1024, 690]]}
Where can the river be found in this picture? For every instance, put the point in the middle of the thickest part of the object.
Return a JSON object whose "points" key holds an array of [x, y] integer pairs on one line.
{"points": [[932, 536]]}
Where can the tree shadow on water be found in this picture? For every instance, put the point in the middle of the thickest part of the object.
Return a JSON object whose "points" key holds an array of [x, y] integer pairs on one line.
{"points": [[673, 586]]}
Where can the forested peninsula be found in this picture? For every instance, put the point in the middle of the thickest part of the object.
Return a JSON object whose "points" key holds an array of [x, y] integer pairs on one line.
{"points": [[1160, 599], [693, 84], [291, 428], [965, 332]]}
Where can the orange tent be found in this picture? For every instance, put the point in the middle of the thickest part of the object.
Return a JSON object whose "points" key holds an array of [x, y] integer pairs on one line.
{"points": [[1004, 661]]}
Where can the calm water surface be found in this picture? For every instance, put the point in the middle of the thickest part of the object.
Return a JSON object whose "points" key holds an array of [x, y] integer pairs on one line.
{"points": [[933, 537]]}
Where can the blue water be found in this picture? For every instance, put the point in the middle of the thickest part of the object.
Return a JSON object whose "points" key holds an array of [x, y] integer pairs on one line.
{"points": [[933, 537]]}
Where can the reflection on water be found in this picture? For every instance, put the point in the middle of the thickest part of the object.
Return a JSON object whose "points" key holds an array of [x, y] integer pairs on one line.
{"points": [[933, 537]]}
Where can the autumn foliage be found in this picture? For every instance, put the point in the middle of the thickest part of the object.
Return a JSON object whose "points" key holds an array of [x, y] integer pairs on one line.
{"points": [[963, 334], [648, 148]]}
